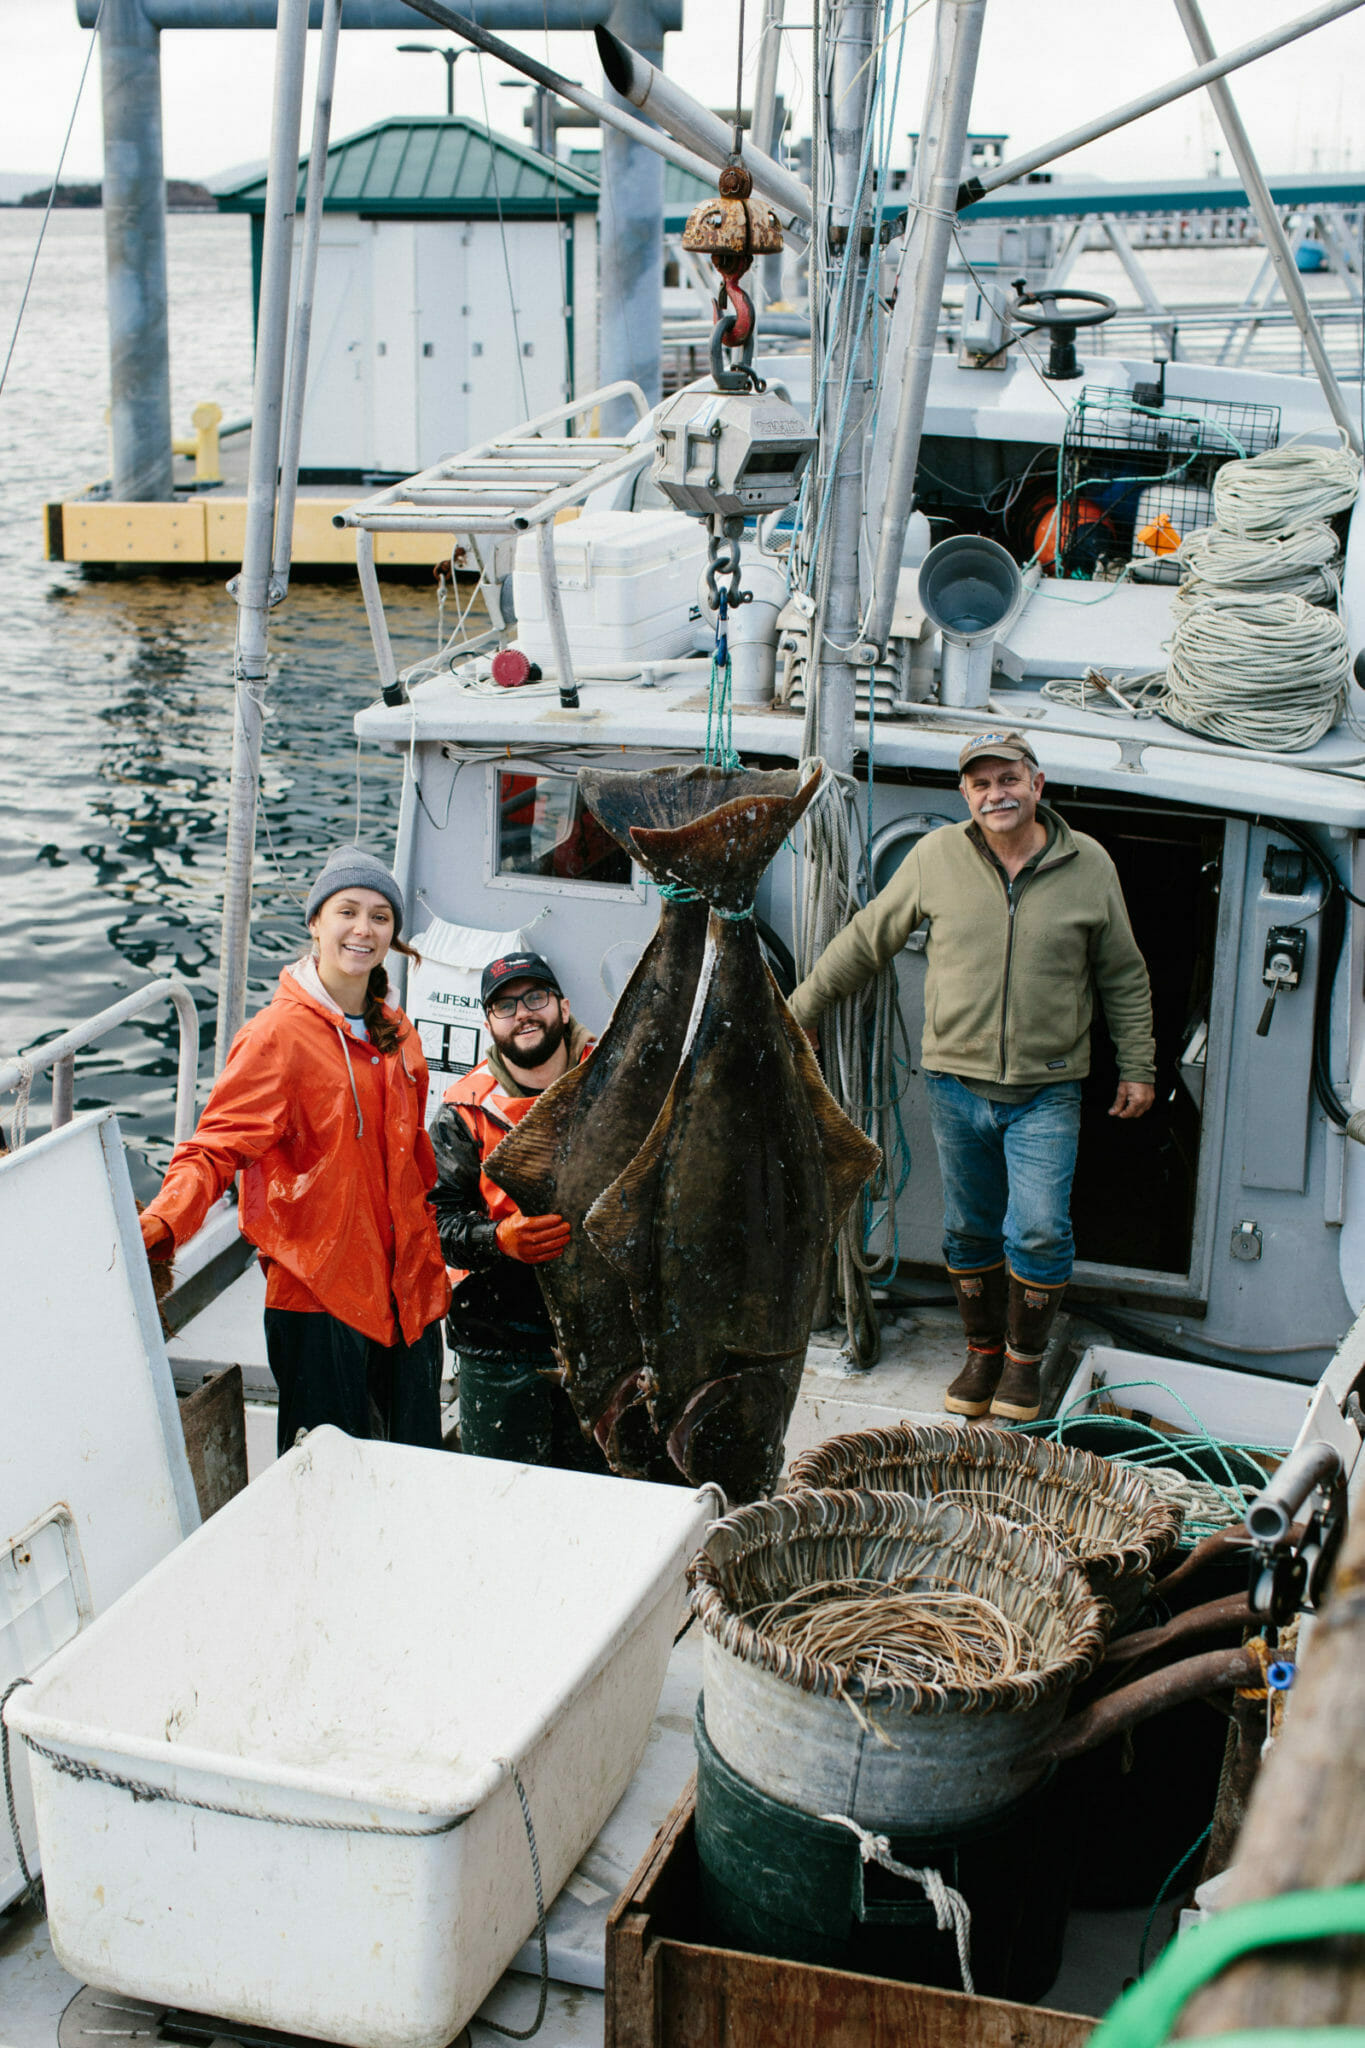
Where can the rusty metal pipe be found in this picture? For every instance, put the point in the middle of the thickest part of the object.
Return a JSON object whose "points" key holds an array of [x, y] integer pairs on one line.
{"points": [[1215, 1671], [1214, 1549], [1232, 1611]]}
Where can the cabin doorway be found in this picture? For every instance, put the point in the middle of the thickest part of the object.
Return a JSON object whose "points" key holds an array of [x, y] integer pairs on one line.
{"points": [[1144, 1191], [1134, 1201]]}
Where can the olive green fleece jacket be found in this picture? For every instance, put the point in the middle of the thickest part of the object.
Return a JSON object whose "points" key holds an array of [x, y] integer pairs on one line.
{"points": [[1010, 988]]}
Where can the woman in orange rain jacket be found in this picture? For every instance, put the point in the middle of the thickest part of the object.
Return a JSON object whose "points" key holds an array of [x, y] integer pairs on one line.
{"points": [[320, 1108]]}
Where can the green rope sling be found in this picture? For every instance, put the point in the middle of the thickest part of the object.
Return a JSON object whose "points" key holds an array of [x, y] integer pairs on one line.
{"points": [[1144, 2016]]}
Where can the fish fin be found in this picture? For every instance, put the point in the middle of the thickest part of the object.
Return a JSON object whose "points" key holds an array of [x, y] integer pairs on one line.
{"points": [[850, 1157], [723, 854], [525, 1163], [621, 1220]]}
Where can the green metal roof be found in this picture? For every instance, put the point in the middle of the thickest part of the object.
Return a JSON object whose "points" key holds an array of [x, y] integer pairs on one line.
{"points": [[682, 189], [439, 165]]}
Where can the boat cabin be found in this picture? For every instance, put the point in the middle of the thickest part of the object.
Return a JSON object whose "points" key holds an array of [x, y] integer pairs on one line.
{"points": [[1230, 1223]]}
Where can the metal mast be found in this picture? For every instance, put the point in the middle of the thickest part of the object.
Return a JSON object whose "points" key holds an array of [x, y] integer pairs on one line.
{"points": [[252, 588], [848, 41]]}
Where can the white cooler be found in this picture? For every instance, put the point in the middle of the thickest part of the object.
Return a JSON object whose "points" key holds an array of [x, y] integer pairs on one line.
{"points": [[627, 582], [273, 1783]]}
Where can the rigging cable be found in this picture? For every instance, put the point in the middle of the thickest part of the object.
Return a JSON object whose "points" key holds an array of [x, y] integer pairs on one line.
{"points": [[52, 196], [502, 231]]}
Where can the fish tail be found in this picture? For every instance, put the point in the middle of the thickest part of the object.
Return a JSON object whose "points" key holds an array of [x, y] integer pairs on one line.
{"points": [[723, 854]]}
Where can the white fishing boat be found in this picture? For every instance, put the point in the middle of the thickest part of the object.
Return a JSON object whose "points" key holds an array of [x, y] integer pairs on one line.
{"points": [[918, 547]]}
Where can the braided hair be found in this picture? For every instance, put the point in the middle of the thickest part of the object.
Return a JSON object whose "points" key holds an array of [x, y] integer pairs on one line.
{"points": [[382, 1029]]}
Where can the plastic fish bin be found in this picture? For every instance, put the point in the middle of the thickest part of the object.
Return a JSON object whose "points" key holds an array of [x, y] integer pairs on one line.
{"points": [[273, 1783]]}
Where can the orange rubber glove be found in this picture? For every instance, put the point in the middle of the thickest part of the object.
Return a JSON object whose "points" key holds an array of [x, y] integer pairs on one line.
{"points": [[157, 1239], [535, 1240]]}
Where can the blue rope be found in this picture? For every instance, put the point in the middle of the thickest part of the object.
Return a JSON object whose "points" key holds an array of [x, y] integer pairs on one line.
{"points": [[720, 720]]}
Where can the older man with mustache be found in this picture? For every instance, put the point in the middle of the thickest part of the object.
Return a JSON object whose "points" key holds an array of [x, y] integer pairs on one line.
{"points": [[1027, 926]]}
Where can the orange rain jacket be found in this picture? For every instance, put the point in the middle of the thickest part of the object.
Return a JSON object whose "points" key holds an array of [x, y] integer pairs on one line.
{"points": [[336, 1164]]}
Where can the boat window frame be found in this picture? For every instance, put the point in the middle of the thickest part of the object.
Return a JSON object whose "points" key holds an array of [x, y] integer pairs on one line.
{"points": [[634, 891]]}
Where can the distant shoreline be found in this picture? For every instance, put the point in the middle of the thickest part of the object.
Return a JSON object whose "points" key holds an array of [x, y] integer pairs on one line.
{"points": [[183, 195]]}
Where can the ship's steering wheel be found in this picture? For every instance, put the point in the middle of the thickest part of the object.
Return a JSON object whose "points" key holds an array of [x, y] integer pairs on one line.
{"points": [[1061, 327]]}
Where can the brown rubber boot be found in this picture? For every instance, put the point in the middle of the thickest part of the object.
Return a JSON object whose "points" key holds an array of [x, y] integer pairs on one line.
{"points": [[981, 1304], [1028, 1322]]}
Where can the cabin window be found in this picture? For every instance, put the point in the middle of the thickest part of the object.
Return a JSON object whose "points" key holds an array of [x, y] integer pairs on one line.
{"points": [[543, 828]]}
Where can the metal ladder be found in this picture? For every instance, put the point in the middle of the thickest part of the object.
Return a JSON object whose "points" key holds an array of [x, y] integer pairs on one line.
{"points": [[504, 487]]}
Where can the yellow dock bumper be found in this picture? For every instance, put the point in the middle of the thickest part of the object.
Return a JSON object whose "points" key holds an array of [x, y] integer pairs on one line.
{"points": [[207, 532]]}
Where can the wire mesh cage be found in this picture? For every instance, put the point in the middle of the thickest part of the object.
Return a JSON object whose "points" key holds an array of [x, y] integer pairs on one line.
{"points": [[1133, 480]]}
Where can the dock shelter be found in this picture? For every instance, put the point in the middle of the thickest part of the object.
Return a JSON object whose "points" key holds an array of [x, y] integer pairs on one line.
{"points": [[456, 291]]}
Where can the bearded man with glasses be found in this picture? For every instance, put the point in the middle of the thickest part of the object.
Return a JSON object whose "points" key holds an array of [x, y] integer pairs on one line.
{"points": [[511, 1405]]}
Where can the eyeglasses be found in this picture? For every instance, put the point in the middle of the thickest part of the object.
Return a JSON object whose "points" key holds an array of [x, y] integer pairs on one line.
{"points": [[507, 1006]]}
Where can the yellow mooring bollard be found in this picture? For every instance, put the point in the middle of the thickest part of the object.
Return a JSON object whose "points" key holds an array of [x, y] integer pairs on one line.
{"points": [[204, 447]]}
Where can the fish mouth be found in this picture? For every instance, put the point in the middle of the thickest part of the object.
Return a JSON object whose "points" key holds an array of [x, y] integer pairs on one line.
{"points": [[627, 1391]]}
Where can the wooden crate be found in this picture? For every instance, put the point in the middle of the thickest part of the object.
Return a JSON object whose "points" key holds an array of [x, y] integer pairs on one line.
{"points": [[668, 1986]]}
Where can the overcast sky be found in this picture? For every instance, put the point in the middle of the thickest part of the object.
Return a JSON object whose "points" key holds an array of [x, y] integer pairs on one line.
{"points": [[1045, 66]]}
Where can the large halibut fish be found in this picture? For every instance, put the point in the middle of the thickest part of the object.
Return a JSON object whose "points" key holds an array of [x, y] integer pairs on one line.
{"points": [[589, 1125], [721, 1222]]}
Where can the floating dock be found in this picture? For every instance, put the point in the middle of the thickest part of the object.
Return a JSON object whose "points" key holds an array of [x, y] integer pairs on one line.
{"points": [[204, 526]]}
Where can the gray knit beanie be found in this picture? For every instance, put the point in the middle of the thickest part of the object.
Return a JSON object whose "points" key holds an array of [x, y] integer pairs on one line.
{"points": [[351, 867]]}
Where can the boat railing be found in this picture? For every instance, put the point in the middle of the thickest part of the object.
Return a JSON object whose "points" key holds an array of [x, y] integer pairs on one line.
{"points": [[59, 1056]]}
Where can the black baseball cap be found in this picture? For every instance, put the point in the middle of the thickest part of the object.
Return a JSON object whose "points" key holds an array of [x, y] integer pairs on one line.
{"points": [[516, 967]]}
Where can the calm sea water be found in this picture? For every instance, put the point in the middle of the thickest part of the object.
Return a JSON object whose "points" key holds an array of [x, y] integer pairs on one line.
{"points": [[116, 698]]}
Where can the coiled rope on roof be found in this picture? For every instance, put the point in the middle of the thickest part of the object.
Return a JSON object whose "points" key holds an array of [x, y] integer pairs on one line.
{"points": [[1298, 564], [1262, 496], [1251, 662], [1266, 671]]}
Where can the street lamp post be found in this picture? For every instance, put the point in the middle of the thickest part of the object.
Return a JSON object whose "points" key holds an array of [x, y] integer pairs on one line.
{"points": [[452, 57]]}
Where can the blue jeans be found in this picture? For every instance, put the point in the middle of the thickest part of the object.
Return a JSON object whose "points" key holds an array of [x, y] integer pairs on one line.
{"points": [[1007, 1169]]}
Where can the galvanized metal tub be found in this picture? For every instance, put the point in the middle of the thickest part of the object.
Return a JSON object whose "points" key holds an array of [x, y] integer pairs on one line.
{"points": [[1108, 1517], [914, 1756]]}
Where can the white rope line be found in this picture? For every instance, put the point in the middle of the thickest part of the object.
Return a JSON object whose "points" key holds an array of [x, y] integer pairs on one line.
{"points": [[1296, 564], [950, 1908], [1255, 671], [1264, 495], [18, 1127]]}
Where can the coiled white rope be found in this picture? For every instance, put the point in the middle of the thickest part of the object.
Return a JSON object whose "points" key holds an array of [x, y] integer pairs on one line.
{"points": [[1256, 671], [1286, 488], [1298, 564]]}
